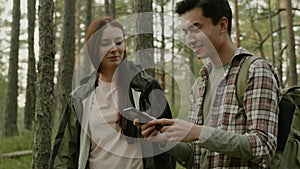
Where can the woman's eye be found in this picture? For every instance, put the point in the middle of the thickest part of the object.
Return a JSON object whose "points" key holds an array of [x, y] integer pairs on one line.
{"points": [[104, 43], [119, 42]]}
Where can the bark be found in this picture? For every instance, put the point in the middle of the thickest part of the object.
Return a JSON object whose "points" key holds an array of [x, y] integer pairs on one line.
{"points": [[78, 23], [271, 32], [260, 38], [279, 58], [236, 18], [144, 45], [68, 50], [163, 45], [173, 53], [45, 85], [107, 8], [292, 78], [11, 110], [113, 8], [31, 70], [88, 13]]}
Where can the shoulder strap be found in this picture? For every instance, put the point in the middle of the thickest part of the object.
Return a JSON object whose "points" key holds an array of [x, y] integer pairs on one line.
{"points": [[242, 78], [136, 97]]}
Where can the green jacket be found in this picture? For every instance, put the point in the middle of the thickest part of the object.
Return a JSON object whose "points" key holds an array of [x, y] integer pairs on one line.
{"points": [[72, 144]]}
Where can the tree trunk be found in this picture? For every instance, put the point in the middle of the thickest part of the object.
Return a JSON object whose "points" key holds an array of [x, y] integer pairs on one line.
{"points": [[45, 85], [236, 18], [57, 24], [83, 60], [271, 32], [292, 79], [144, 45], [173, 53], [78, 23], [88, 13], [11, 110], [163, 45], [279, 57], [260, 39], [113, 8], [107, 8], [68, 50], [31, 69]]}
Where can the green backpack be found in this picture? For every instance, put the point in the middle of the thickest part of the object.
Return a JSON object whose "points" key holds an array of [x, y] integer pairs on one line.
{"points": [[288, 140]]}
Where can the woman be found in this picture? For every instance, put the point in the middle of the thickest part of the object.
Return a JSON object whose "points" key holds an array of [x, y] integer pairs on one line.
{"points": [[94, 131]]}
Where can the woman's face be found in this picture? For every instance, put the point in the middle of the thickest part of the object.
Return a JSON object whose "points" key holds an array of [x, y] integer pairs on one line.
{"points": [[112, 46]]}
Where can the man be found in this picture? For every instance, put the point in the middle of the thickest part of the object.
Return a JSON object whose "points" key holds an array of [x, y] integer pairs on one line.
{"points": [[223, 134]]}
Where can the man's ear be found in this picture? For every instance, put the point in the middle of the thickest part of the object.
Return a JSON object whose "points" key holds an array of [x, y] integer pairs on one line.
{"points": [[223, 24]]}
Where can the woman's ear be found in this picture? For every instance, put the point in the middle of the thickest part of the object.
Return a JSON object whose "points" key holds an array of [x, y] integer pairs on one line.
{"points": [[125, 47]]}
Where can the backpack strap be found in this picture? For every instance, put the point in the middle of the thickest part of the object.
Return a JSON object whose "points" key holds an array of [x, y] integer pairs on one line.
{"points": [[242, 78]]}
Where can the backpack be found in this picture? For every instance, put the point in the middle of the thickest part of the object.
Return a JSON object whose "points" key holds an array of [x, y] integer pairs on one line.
{"points": [[288, 139]]}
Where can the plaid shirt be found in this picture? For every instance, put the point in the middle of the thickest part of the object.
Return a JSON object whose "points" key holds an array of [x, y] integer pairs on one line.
{"points": [[257, 120]]}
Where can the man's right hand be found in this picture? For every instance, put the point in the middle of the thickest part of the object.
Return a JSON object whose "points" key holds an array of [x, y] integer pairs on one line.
{"points": [[149, 131], [175, 130]]}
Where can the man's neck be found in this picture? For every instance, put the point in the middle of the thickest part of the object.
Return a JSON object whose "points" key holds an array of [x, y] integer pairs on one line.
{"points": [[225, 54]]}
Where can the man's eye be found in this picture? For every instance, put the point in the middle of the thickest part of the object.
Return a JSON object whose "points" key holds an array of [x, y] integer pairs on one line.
{"points": [[195, 29]]}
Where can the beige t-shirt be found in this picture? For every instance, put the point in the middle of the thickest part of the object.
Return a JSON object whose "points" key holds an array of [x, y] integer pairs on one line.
{"points": [[109, 149]]}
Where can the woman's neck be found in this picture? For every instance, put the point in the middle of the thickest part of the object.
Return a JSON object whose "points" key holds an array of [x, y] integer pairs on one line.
{"points": [[106, 76]]}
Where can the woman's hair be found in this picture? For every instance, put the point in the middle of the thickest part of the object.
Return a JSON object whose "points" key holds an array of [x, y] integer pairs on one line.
{"points": [[93, 35]]}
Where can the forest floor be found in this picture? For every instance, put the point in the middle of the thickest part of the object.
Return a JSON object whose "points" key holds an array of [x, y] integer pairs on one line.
{"points": [[16, 144], [15, 152]]}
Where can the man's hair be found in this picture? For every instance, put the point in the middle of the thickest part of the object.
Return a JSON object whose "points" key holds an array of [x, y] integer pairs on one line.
{"points": [[214, 9]]}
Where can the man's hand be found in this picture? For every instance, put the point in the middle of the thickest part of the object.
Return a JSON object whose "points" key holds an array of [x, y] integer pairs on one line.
{"points": [[149, 131], [175, 130]]}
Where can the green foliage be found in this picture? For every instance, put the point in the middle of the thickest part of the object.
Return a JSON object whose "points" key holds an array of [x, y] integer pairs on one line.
{"points": [[122, 9], [254, 26], [178, 166]]}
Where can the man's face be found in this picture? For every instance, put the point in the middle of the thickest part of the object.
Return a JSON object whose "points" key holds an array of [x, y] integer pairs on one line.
{"points": [[202, 36]]}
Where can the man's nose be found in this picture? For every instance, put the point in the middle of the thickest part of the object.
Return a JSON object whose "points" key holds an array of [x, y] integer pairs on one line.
{"points": [[191, 40]]}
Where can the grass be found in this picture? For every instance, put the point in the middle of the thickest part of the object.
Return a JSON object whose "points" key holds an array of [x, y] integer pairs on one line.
{"points": [[23, 162], [18, 143]]}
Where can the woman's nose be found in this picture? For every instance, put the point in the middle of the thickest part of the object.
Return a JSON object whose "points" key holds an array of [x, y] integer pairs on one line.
{"points": [[113, 48]]}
